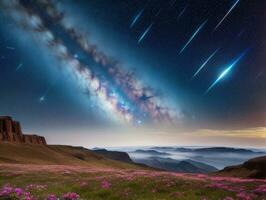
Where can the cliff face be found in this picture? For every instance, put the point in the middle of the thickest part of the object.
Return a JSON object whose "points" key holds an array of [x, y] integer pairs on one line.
{"points": [[10, 131]]}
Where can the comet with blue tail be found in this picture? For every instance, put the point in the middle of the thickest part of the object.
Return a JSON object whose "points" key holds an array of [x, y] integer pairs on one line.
{"points": [[193, 36], [227, 70]]}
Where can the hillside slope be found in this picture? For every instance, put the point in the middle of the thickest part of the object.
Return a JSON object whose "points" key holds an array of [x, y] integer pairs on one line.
{"points": [[55, 154], [253, 168], [114, 155]]}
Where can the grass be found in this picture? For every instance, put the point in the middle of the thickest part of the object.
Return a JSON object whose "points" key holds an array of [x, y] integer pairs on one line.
{"points": [[56, 154], [124, 184], [45, 170]]}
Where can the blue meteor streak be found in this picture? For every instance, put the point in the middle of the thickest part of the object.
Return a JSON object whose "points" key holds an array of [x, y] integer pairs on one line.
{"points": [[19, 66], [227, 70], [136, 18], [228, 12], [203, 65], [145, 33], [194, 34], [182, 12]]}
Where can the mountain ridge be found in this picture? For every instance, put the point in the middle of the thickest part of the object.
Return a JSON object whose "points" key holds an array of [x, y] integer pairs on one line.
{"points": [[183, 166]]}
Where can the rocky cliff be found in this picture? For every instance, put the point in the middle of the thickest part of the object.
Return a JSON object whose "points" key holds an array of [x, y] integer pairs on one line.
{"points": [[10, 131]]}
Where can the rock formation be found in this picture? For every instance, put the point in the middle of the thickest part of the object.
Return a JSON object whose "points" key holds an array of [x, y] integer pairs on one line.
{"points": [[10, 131]]}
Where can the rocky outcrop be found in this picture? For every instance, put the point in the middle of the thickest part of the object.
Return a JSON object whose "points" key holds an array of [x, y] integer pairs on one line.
{"points": [[10, 131]]}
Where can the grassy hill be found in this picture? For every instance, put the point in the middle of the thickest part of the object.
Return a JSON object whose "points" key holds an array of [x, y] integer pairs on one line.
{"points": [[55, 154], [253, 168], [39, 172]]}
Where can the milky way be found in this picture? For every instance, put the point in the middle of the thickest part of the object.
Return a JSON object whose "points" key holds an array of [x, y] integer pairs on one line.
{"points": [[118, 92]]}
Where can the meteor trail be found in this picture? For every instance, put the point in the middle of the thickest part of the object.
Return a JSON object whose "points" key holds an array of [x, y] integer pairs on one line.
{"points": [[43, 97], [182, 12], [228, 12], [10, 48], [145, 33], [193, 35], [136, 18], [19, 66], [203, 64], [227, 70]]}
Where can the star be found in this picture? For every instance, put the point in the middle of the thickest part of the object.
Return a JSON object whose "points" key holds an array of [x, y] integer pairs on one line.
{"points": [[41, 99]]}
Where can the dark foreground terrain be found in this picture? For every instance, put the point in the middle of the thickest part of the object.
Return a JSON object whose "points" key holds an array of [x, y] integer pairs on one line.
{"points": [[253, 168], [51, 172]]}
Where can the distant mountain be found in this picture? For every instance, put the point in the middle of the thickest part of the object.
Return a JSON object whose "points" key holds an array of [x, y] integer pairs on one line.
{"points": [[164, 148], [114, 155], [206, 149], [215, 150], [151, 152], [183, 149], [253, 168], [223, 150], [186, 166]]}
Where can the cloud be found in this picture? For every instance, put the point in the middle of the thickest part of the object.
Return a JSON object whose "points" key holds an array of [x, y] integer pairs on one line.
{"points": [[259, 132]]}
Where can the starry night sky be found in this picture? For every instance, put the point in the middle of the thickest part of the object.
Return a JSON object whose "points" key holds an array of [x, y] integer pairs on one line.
{"points": [[38, 90]]}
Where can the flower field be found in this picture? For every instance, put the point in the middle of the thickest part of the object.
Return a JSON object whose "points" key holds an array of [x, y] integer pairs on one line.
{"points": [[51, 182]]}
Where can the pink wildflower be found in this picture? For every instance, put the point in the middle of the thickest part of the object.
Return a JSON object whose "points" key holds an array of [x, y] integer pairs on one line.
{"points": [[246, 196], [52, 197], [106, 184], [83, 183], [70, 196], [6, 191], [228, 198], [260, 189], [19, 192]]}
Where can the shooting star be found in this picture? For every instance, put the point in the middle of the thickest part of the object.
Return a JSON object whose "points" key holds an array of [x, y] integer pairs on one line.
{"points": [[228, 12], [10, 48], [143, 35], [136, 18], [19, 66], [158, 12], [181, 13], [223, 74], [43, 97], [193, 35], [205, 63]]}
